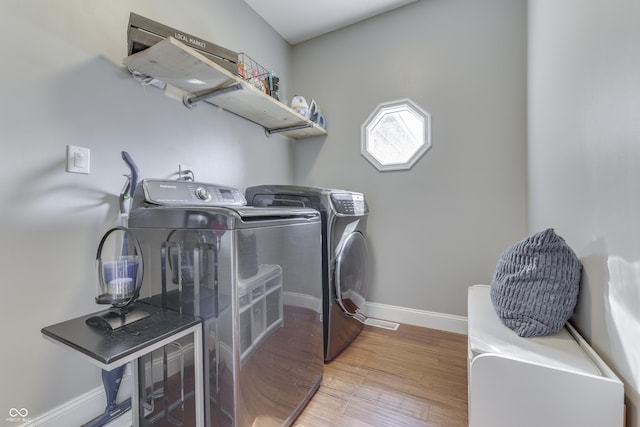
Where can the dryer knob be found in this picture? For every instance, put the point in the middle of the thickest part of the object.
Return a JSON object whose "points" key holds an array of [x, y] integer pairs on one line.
{"points": [[203, 194]]}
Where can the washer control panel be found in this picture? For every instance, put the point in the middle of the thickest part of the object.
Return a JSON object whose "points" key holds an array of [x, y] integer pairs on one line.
{"points": [[190, 193], [349, 203]]}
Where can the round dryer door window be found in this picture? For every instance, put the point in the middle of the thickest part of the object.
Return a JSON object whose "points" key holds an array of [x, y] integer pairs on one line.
{"points": [[351, 273]]}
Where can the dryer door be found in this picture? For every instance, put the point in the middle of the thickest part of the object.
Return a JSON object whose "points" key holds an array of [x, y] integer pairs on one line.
{"points": [[351, 273]]}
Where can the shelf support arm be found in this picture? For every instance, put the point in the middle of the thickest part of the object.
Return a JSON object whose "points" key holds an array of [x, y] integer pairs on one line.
{"points": [[270, 132], [190, 100]]}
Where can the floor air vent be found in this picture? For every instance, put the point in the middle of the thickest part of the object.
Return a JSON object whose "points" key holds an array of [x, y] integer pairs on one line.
{"points": [[381, 324]]}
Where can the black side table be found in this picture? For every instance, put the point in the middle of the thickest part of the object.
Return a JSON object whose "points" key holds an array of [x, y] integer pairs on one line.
{"points": [[109, 349]]}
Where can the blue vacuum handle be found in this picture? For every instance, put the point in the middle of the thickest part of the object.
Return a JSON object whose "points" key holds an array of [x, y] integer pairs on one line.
{"points": [[127, 193], [134, 171]]}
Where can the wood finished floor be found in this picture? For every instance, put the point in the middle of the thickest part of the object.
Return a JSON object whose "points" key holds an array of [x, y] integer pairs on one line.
{"points": [[410, 377]]}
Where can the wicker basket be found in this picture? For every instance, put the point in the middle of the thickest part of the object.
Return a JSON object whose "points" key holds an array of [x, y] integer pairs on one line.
{"points": [[254, 73]]}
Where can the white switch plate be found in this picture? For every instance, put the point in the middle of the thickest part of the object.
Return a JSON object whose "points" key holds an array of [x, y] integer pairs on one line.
{"points": [[78, 159]]}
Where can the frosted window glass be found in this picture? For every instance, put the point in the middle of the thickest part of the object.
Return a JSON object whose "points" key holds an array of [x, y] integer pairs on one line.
{"points": [[396, 135]]}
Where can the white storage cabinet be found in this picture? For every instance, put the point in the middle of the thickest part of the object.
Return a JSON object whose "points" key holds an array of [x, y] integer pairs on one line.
{"points": [[552, 381]]}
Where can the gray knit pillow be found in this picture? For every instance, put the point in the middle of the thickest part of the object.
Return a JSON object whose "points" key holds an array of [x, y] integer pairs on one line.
{"points": [[535, 286]]}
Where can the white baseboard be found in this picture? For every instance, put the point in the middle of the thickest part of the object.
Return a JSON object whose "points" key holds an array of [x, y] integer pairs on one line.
{"points": [[89, 405], [411, 316], [84, 408]]}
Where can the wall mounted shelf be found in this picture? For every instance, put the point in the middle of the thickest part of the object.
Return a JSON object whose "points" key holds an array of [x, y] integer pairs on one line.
{"points": [[181, 66]]}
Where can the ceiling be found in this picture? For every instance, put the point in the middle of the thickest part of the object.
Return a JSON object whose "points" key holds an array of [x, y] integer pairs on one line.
{"points": [[300, 20]]}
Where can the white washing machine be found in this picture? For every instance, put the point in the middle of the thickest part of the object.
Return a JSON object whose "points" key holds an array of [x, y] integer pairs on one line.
{"points": [[345, 257]]}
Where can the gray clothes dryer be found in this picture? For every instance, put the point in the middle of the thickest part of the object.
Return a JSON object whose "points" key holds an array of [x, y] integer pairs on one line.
{"points": [[345, 257]]}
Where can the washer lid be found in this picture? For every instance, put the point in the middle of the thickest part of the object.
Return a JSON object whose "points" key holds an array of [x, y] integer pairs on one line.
{"points": [[351, 273], [194, 205]]}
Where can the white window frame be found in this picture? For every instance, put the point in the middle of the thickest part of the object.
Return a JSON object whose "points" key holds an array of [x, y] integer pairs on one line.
{"points": [[421, 130]]}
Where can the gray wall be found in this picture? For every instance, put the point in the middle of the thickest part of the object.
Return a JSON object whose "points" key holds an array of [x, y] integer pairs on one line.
{"points": [[63, 83], [434, 229], [439, 227], [584, 179]]}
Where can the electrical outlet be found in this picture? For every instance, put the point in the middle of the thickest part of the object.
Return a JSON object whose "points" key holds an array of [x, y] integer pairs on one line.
{"points": [[78, 159]]}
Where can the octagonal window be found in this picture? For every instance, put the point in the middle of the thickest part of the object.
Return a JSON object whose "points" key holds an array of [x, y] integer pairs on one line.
{"points": [[396, 135]]}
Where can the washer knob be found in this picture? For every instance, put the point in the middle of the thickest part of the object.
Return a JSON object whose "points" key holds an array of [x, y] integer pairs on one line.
{"points": [[203, 194]]}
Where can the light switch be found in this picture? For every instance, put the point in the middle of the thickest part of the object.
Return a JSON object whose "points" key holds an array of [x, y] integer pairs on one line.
{"points": [[78, 159]]}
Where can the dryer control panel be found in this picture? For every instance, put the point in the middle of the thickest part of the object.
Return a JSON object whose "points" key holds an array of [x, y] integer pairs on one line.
{"points": [[166, 192], [349, 203]]}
